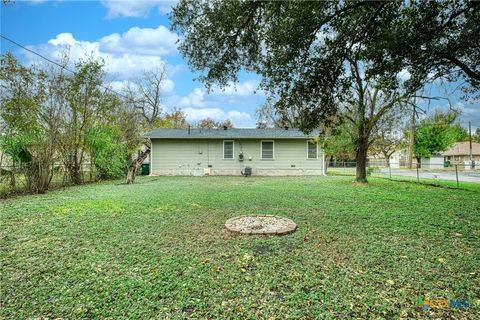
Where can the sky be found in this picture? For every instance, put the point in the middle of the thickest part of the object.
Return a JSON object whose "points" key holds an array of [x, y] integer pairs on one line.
{"points": [[133, 37]]}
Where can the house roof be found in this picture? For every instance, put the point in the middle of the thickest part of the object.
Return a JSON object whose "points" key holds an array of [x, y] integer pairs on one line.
{"points": [[230, 134], [462, 149]]}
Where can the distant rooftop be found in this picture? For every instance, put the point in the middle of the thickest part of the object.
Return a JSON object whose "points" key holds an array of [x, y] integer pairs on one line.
{"points": [[230, 134], [462, 149]]}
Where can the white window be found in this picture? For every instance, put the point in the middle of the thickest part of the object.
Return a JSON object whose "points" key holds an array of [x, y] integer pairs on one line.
{"points": [[312, 150], [267, 149], [228, 149]]}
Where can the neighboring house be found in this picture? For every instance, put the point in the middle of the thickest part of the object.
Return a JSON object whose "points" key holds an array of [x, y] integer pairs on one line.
{"points": [[268, 152], [459, 153], [398, 159], [376, 160]]}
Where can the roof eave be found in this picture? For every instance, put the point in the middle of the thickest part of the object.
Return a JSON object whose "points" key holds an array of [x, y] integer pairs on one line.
{"points": [[222, 138]]}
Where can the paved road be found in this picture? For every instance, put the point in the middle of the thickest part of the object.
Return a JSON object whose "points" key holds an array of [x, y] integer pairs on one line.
{"points": [[464, 176]]}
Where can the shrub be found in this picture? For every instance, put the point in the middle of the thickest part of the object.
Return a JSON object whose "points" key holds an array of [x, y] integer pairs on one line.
{"points": [[107, 152]]}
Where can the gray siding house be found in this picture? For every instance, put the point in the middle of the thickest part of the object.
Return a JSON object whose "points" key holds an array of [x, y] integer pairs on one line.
{"points": [[268, 152]]}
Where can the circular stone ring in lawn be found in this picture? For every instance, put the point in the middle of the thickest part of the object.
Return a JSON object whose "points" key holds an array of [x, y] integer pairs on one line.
{"points": [[265, 224]]}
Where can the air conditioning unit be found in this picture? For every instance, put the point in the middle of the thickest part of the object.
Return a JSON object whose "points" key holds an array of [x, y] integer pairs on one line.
{"points": [[247, 172]]}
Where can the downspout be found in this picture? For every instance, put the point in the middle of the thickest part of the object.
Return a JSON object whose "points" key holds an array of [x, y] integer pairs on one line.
{"points": [[151, 157]]}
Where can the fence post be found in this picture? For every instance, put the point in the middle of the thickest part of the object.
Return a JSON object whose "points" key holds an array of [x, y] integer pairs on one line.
{"points": [[456, 173], [344, 167], [418, 175], [390, 170]]}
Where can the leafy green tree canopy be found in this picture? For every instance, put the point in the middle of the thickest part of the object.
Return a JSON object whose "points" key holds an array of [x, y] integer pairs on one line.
{"points": [[437, 133], [301, 48]]}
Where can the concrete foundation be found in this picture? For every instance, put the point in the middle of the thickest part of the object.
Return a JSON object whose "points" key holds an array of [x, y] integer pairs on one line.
{"points": [[230, 172]]}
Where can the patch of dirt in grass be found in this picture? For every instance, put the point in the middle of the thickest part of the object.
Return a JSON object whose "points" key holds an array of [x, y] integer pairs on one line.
{"points": [[260, 249], [339, 257], [263, 248], [187, 311], [227, 235], [149, 181]]}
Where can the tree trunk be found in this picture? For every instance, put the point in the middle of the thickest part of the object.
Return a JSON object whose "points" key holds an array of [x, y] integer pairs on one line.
{"points": [[361, 160], [73, 167], [387, 159], [411, 139], [13, 182], [75, 174], [135, 164]]}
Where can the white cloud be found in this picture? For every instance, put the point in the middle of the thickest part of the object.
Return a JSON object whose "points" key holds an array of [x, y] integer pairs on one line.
{"points": [[468, 110], [165, 7], [120, 85], [238, 118], [63, 39], [469, 113], [199, 105], [194, 114], [167, 86], [126, 55], [147, 41], [194, 99], [126, 8], [245, 88], [404, 75], [37, 1]]}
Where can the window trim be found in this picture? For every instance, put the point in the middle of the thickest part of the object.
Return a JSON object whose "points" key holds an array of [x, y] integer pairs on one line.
{"points": [[316, 144], [261, 149], [233, 150]]}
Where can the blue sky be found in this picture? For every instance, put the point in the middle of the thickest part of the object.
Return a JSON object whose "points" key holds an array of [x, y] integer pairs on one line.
{"points": [[134, 36]]}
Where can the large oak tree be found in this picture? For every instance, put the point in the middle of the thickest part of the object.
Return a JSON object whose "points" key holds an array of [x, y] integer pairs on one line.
{"points": [[305, 51]]}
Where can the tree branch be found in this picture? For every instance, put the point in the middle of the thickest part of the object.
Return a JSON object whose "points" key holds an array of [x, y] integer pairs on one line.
{"points": [[471, 73]]}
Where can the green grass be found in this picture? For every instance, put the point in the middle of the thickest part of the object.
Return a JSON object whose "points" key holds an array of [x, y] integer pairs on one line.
{"points": [[433, 182], [158, 249], [59, 179]]}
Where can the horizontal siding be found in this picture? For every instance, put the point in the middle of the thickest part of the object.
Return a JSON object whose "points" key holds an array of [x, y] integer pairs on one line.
{"points": [[187, 155]]}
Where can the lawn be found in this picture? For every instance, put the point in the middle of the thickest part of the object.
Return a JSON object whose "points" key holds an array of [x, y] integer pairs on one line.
{"points": [[158, 249], [400, 178]]}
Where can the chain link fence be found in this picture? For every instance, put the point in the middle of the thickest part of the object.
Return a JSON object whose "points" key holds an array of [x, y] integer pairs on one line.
{"points": [[14, 179], [448, 174]]}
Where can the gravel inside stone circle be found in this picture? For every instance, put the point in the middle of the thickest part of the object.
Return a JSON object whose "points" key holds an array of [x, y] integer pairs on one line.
{"points": [[264, 224]]}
